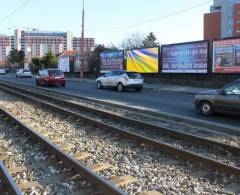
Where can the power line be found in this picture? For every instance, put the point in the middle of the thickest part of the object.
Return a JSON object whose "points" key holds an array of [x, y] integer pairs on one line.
{"points": [[15, 10], [151, 20]]}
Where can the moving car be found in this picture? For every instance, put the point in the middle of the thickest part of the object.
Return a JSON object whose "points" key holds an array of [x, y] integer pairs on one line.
{"points": [[2, 71], [225, 100], [120, 80], [23, 73], [48, 77]]}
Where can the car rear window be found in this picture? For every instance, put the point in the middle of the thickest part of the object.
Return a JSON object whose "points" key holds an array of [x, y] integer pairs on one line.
{"points": [[134, 75], [55, 72], [26, 71]]}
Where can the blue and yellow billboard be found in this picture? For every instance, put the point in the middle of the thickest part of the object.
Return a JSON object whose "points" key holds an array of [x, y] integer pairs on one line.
{"points": [[143, 60]]}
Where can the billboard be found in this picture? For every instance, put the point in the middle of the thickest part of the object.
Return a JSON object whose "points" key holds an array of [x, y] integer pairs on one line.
{"points": [[226, 56], [189, 57], [143, 60], [63, 64], [112, 60]]}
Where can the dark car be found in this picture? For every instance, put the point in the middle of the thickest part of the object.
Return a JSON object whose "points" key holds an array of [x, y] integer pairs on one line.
{"points": [[48, 77], [225, 100]]}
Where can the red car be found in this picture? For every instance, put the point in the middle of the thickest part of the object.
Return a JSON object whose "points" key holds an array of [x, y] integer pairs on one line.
{"points": [[48, 77]]}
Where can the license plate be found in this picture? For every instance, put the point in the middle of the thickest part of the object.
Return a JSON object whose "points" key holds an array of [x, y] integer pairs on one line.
{"points": [[57, 77]]}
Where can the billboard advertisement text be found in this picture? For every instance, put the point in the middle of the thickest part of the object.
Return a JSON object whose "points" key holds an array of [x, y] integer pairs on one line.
{"points": [[185, 58], [226, 56], [111, 60]]}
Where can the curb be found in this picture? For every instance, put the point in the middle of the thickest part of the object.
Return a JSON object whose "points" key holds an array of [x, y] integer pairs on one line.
{"points": [[217, 127], [146, 88]]}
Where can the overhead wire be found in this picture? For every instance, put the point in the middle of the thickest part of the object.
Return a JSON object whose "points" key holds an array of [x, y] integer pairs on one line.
{"points": [[151, 20], [14, 11]]}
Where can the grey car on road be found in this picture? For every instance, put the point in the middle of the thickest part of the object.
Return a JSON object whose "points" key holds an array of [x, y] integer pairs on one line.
{"points": [[225, 100]]}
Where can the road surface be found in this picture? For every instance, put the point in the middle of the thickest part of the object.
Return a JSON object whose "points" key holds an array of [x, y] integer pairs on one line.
{"points": [[158, 101]]}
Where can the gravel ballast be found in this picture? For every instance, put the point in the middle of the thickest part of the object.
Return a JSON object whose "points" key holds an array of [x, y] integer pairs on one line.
{"points": [[152, 169]]}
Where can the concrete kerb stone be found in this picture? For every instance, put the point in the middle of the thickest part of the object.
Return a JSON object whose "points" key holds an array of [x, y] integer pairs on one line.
{"points": [[229, 129], [172, 91]]}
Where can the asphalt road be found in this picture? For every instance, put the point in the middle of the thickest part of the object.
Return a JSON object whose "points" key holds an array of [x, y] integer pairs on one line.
{"points": [[171, 103]]}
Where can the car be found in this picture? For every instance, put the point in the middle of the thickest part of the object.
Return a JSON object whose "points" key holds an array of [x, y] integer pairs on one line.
{"points": [[225, 100], [47, 77], [2, 71], [23, 73], [120, 80]]}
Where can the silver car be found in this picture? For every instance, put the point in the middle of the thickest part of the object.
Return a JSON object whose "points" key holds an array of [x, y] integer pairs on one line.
{"points": [[120, 80], [23, 73], [2, 71], [225, 100]]}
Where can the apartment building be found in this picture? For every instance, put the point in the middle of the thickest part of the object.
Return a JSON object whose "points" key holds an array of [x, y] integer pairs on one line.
{"points": [[5, 48], [37, 43], [89, 44], [223, 20]]}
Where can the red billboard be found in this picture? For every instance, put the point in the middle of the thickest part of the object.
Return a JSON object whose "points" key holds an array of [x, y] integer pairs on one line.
{"points": [[226, 56]]}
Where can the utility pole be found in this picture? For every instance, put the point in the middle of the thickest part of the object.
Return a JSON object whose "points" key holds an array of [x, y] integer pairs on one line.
{"points": [[82, 45]]}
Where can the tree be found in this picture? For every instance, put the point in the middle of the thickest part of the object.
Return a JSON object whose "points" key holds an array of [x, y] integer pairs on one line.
{"points": [[38, 63], [50, 60], [135, 40], [95, 58], [16, 57], [21, 57], [150, 40]]}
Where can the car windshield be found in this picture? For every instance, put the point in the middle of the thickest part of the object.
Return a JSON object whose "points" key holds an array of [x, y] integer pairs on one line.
{"points": [[134, 75], [55, 72]]}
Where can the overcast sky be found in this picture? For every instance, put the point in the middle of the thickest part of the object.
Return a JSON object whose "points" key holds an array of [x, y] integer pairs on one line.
{"points": [[110, 21]]}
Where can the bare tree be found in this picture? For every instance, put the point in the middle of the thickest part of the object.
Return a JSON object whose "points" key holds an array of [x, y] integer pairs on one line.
{"points": [[135, 40]]}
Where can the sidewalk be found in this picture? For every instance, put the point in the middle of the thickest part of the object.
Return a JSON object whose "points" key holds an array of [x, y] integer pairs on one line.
{"points": [[157, 86]]}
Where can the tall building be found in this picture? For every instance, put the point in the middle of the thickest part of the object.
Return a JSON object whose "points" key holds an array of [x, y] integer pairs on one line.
{"points": [[89, 44], [37, 43], [5, 47], [223, 20]]}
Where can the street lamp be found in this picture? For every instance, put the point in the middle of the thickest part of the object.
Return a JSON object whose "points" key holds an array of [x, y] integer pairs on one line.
{"points": [[82, 45]]}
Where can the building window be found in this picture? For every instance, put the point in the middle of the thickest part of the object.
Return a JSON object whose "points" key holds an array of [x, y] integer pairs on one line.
{"points": [[238, 22], [237, 31]]}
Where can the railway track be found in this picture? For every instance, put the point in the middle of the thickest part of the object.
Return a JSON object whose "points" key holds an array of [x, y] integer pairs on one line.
{"points": [[38, 166], [64, 107], [148, 133], [7, 184]]}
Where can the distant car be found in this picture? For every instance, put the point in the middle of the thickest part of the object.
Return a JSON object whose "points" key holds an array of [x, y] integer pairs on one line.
{"points": [[120, 80], [225, 100], [23, 73], [48, 77], [2, 71]]}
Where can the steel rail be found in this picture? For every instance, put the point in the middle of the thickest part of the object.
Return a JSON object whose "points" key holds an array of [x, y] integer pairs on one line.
{"points": [[8, 180], [167, 148], [166, 130], [104, 185]]}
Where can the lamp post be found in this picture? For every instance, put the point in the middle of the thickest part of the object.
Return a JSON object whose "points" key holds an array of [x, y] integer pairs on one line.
{"points": [[82, 45]]}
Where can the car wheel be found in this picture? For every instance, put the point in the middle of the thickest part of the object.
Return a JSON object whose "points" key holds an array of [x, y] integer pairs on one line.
{"points": [[46, 84], [64, 84], [37, 83], [99, 85], [16, 76], [120, 87], [139, 89], [206, 108]]}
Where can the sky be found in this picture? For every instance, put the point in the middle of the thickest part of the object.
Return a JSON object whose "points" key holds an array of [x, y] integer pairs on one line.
{"points": [[109, 21]]}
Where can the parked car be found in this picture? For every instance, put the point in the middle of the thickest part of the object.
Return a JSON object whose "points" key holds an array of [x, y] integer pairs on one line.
{"points": [[225, 100], [2, 71], [48, 77], [120, 80], [23, 73]]}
